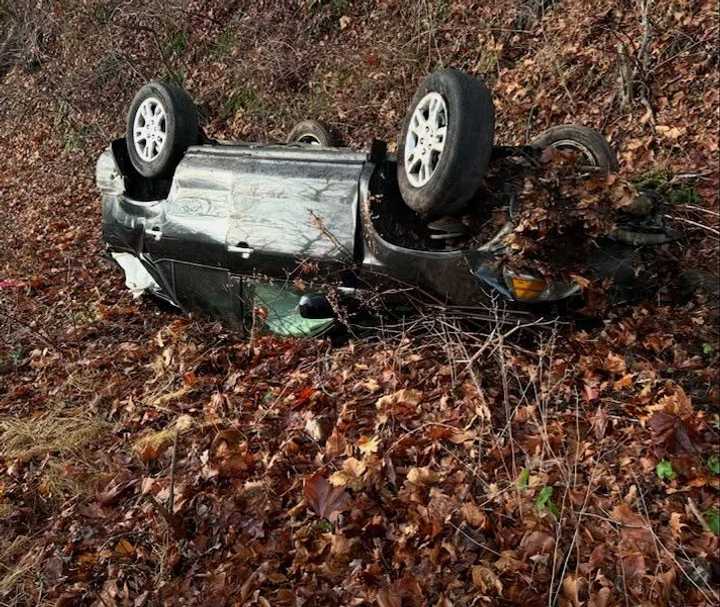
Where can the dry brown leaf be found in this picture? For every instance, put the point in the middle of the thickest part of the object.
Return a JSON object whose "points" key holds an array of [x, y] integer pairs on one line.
{"points": [[537, 542], [422, 476], [124, 549], [473, 515], [676, 525], [599, 422], [350, 475], [601, 598], [327, 501], [485, 579], [571, 589], [406, 397], [335, 444], [230, 456], [635, 530], [389, 597], [368, 445], [615, 363], [152, 445]]}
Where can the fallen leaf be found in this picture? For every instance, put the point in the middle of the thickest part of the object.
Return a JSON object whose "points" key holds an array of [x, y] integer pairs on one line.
{"points": [[422, 476], [570, 586], [124, 549], [473, 515], [669, 132], [335, 444], [676, 525], [634, 530], [327, 501], [407, 397], [537, 542], [615, 363], [368, 445], [350, 475], [485, 579]]}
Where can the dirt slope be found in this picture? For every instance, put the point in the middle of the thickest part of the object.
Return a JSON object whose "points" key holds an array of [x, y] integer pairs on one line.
{"points": [[151, 459]]}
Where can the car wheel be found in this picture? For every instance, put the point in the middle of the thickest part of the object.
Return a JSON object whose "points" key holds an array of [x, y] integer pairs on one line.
{"points": [[590, 143], [446, 143], [162, 124], [312, 132]]}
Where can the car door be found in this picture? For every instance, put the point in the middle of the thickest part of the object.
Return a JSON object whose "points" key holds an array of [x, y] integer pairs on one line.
{"points": [[188, 241], [292, 209]]}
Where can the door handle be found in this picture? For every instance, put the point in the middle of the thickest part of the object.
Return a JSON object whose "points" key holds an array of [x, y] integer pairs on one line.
{"points": [[155, 233], [242, 248]]}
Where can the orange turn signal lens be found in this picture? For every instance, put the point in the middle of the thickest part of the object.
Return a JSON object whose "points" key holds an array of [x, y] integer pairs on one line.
{"points": [[527, 288]]}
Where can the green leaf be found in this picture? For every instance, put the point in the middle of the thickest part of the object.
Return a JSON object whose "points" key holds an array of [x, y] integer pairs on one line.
{"points": [[522, 481], [664, 470], [713, 464], [708, 349], [712, 517], [544, 501], [324, 525]]}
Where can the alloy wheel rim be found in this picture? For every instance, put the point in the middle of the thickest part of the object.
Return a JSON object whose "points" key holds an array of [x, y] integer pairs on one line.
{"points": [[425, 140], [150, 129]]}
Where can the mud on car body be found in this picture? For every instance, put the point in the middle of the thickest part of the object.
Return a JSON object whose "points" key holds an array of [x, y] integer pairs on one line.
{"points": [[211, 226]]}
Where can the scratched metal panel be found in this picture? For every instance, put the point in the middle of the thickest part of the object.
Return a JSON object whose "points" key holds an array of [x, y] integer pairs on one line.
{"points": [[282, 201], [198, 206]]}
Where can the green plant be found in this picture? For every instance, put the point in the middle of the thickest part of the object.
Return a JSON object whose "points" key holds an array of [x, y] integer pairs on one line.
{"points": [[664, 470], [242, 99], [337, 7], [712, 518], [683, 194], [223, 44], [544, 501], [74, 138], [661, 181], [176, 76], [713, 464], [654, 179], [177, 43], [522, 481], [16, 355], [103, 13]]}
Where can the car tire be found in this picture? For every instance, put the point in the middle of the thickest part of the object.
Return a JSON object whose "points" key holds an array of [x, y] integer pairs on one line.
{"points": [[312, 132], [440, 170], [583, 139], [162, 123]]}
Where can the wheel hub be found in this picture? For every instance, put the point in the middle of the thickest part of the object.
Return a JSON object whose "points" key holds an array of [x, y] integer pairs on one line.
{"points": [[425, 140], [150, 129]]}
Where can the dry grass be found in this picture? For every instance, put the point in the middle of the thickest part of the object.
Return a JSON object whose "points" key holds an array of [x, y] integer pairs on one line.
{"points": [[61, 437], [25, 27], [54, 432], [16, 570]]}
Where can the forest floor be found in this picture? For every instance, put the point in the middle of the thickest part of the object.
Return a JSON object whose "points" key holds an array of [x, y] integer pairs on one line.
{"points": [[149, 458]]}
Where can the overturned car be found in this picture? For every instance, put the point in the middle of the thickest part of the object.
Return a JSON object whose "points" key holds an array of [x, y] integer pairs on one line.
{"points": [[303, 229]]}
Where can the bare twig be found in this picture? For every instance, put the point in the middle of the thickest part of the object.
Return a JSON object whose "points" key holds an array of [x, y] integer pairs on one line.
{"points": [[693, 207], [643, 57], [39, 334], [171, 496], [692, 506], [169, 517], [694, 223], [625, 79]]}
